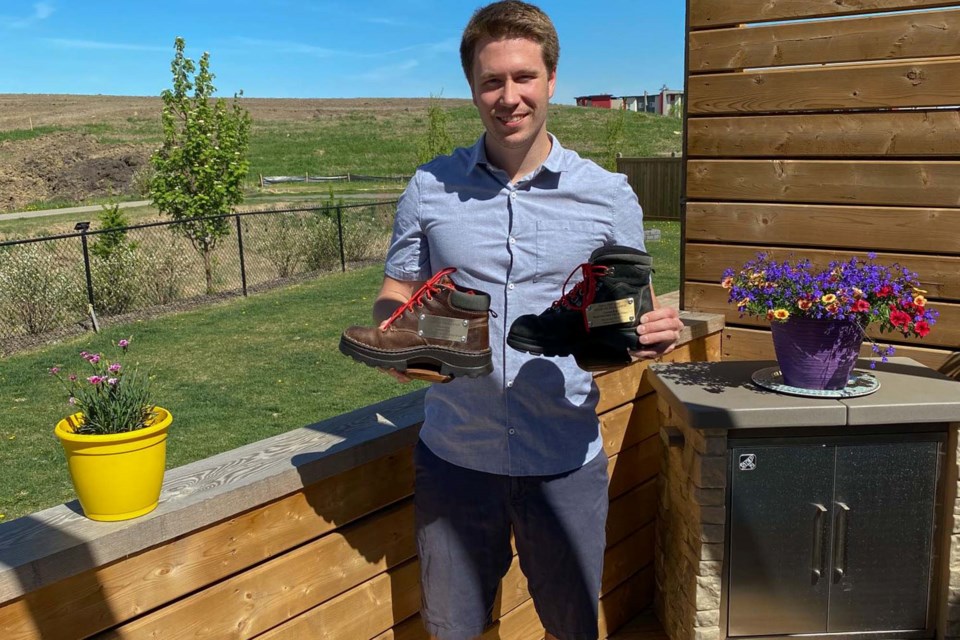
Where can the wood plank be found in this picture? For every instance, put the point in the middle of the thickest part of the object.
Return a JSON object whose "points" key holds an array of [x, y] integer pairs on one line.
{"points": [[643, 627], [717, 13], [623, 603], [945, 333], [939, 275], [884, 229], [363, 612], [627, 557], [919, 83], [884, 134], [254, 601], [627, 425], [752, 344], [634, 466], [632, 510], [104, 597], [903, 183], [884, 37]]}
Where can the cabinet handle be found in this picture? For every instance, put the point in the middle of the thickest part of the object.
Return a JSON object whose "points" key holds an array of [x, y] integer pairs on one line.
{"points": [[840, 543], [817, 560]]}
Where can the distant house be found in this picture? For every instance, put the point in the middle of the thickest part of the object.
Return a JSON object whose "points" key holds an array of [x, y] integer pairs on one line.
{"points": [[600, 100], [660, 103]]}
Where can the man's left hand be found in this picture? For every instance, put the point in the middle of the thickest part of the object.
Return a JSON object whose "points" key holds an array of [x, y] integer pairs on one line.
{"points": [[659, 331]]}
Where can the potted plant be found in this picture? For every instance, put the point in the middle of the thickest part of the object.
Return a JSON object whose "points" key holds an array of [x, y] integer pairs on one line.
{"points": [[115, 442], [818, 317]]}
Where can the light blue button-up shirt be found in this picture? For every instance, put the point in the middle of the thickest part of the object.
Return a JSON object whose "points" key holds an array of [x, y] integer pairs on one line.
{"points": [[533, 415]]}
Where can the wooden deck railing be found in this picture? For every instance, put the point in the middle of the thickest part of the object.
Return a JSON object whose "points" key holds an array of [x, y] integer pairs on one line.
{"points": [[309, 534]]}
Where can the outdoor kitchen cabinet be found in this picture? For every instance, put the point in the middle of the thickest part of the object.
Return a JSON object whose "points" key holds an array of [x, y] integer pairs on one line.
{"points": [[831, 536], [822, 518]]}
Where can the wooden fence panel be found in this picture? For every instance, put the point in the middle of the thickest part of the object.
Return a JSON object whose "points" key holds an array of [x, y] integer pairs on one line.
{"points": [[891, 134], [657, 183], [891, 229], [919, 83], [901, 183], [917, 35], [939, 275], [719, 13], [823, 139]]}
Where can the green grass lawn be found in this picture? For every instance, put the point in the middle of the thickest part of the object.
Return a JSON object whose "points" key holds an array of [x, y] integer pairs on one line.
{"points": [[231, 373]]}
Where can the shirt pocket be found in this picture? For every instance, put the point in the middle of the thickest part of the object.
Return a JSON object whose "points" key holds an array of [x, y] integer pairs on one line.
{"points": [[563, 246]]}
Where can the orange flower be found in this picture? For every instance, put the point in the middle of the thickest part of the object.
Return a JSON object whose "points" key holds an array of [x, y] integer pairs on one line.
{"points": [[781, 314], [727, 282], [920, 301], [833, 308], [743, 303], [804, 304], [828, 299], [769, 314], [857, 293]]}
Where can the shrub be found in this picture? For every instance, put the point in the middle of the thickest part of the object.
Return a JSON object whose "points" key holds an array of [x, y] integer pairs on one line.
{"points": [[281, 239], [36, 293]]}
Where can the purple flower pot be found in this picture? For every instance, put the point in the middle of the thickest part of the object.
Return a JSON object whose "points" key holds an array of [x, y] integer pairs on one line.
{"points": [[816, 354]]}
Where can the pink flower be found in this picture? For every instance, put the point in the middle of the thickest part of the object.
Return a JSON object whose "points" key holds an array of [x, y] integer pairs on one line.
{"points": [[922, 327], [123, 344], [72, 400], [860, 305], [112, 382], [72, 377], [95, 379], [114, 368], [95, 358], [54, 370]]}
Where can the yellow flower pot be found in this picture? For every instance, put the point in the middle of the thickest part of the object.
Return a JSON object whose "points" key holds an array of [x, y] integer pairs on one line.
{"points": [[117, 476]]}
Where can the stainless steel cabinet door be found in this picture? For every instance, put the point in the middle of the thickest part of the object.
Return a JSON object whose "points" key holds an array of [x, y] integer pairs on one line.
{"points": [[883, 531], [781, 500]]}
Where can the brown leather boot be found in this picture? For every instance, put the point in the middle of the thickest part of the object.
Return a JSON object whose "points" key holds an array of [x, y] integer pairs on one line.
{"points": [[441, 332]]}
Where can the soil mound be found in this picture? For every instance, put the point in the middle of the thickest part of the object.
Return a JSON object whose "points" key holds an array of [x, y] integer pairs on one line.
{"points": [[66, 166]]}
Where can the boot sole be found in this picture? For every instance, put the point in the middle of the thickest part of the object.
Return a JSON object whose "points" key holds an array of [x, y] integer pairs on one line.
{"points": [[444, 362], [537, 349]]}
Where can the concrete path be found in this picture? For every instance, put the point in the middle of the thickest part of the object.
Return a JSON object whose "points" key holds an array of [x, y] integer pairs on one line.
{"points": [[93, 208]]}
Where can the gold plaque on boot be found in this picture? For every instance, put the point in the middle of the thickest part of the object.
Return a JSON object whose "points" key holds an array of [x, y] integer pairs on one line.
{"points": [[603, 314], [442, 328]]}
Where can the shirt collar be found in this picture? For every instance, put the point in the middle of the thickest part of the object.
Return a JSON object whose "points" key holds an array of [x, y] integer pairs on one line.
{"points": [[555, 162]]}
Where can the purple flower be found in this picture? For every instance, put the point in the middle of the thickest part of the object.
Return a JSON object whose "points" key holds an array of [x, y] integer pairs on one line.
{"points": [[114, 368], [72, 377], [95, 379], [112, 382], [123, 344], [54, 370], [94, 358]]}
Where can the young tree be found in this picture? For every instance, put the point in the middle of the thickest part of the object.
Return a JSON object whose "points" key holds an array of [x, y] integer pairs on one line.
{"points": [[436, 139], [202, 162]]}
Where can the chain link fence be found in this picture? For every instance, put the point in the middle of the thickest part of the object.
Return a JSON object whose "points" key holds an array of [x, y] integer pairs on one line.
{"points": [[63, 285]]}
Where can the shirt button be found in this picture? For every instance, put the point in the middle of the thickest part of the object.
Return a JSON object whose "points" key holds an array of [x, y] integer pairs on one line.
{"points": [[513, 240], [513, 195], [511, 431], [509, 383], [510, 286]]}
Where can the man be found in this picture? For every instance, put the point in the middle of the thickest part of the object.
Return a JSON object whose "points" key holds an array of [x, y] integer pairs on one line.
{"points": [[518, 449]]}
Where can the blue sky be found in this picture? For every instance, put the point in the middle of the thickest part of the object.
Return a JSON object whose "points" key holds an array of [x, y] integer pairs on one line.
{"points": [[318, 49]]}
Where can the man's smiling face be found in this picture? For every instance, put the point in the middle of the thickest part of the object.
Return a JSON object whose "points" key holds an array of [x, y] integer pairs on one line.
{"points": [[512, 89]]}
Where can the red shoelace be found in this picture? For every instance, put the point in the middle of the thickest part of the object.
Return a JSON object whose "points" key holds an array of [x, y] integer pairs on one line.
{"points": [[585, 290], [431, 287]]}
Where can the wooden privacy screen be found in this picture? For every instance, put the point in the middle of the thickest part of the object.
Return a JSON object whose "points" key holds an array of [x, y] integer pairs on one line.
{"points": [[823, 129]]}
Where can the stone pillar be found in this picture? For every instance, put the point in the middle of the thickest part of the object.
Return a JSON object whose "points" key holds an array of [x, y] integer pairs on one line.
{"points": [[949, 622], [690, 529]]}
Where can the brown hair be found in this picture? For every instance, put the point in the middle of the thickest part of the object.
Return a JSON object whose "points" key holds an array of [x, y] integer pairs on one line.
{"points": [[510, 19]]}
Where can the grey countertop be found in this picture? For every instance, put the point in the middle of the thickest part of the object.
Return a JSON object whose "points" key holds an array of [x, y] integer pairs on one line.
{"points": [[721, 395]]}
